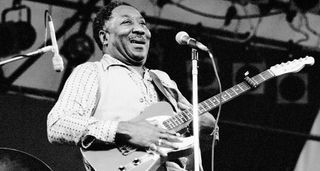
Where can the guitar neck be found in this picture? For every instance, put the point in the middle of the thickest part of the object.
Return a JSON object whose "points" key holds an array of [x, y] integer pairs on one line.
{"points": [[213, 102]]}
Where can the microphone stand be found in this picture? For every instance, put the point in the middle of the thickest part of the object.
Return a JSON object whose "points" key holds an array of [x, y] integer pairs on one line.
{"points": [[12, 59], [197, 155], [39, 51]]}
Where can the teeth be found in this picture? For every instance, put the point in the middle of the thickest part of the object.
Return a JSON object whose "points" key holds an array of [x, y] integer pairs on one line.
{"points": [[138, 42]]}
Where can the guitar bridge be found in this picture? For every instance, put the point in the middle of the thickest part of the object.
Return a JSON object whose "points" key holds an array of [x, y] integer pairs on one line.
{"points": [[126, 149]]}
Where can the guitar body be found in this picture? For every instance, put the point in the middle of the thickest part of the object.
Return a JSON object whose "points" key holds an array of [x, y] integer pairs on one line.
{"points": [[136, 160]]}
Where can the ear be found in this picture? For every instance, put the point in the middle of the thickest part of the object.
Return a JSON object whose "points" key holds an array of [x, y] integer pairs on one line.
{"points": [[104, 37]]}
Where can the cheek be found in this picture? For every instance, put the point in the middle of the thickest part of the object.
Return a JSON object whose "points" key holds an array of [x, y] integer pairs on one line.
{"points": [[148, 34]]}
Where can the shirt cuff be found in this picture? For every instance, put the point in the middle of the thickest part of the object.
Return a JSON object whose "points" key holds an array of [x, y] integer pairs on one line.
{"points": [[104, 131]]}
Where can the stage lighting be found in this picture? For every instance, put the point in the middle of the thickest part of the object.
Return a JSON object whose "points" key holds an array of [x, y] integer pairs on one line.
{"points": [[253, 68], [16, 36], [290, 15], [292, 89], [231, 13], [305, 6], [161, 3], [78, 48]]}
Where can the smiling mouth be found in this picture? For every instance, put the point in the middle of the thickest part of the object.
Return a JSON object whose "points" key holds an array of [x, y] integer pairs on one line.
{"points": [[142, 42]]}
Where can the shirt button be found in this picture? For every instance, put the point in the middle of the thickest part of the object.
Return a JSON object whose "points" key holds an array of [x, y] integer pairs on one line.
{"points": [[141, 100]]}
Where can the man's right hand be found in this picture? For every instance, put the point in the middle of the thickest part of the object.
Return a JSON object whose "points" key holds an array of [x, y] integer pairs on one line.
{"points": [[144, 134]]}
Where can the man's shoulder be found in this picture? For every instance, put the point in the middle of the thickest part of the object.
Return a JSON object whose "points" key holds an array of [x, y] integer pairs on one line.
{"points": [[86, 67]]}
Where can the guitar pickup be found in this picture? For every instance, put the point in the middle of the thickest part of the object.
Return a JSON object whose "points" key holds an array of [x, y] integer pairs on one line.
{"points": [[126, 149]]}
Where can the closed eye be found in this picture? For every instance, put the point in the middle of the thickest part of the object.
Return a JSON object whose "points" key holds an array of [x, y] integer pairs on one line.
{"points": [[126, 22], [143, 23]]}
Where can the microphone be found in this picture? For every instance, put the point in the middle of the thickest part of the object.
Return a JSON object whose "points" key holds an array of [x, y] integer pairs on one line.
{"points": [[183, 39], [56, 59]]}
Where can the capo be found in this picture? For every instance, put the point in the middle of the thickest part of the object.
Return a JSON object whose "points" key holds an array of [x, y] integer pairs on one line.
{"points": [[250, 81]]}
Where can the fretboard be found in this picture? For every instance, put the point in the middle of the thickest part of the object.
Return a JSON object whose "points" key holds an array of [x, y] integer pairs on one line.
{"points": [[213, 102]]}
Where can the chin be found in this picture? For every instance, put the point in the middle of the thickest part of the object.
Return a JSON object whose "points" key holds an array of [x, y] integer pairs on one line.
{"points": [[138, 60]]}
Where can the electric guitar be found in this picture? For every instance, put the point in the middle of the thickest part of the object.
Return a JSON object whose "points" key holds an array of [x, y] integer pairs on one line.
{"points": [[131, 159]]}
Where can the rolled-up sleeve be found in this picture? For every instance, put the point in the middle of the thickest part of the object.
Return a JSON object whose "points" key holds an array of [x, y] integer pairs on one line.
{"points": [[70, 121]]}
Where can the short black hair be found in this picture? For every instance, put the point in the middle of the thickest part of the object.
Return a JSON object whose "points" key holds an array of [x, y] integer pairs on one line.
{"points": [[104, 15]]}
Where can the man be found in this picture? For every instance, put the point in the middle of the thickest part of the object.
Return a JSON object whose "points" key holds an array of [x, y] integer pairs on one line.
{"points": [[100, 100]]}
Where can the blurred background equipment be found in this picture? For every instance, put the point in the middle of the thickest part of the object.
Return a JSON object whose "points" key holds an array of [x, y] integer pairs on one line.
{"points": [[16, 36], [78, 48], [15, 160], [293, 88]]}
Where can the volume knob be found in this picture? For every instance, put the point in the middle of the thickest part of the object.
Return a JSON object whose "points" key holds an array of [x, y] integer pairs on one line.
{"points": [[122, 168], [136, 161]]}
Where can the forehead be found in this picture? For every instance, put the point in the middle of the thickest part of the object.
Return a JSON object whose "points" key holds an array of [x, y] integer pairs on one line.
{"points": [[125, 11]]}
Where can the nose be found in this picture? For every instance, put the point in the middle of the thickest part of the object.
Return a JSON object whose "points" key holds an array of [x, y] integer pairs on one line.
{"points": [[139, 29]]}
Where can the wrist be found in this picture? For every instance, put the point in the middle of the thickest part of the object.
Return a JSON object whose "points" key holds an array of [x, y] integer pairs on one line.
{"points": [[122, 134]]}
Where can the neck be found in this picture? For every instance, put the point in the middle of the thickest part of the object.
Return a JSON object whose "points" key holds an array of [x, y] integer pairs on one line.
{"points": [[139, 68]]}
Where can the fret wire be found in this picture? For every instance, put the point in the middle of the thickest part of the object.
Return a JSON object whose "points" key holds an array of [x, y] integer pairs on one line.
{"points": [[183, 116], [176, 123], [172, 123], [269, 74], [168, 125], [210, 103], [241, 88], [216, 99], [201, 108], [206, 105], [231, 92], [222, 98], [262, 77], [165, 124], [226, 95], [178, 116], [176, 120], [187, 113], [244, 86], [226, 92], [258, 79], [233, 89], [265, 75], [237, 89]]}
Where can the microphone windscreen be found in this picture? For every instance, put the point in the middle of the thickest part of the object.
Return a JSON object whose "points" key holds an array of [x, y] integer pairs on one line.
{"points": [[182, 37]]}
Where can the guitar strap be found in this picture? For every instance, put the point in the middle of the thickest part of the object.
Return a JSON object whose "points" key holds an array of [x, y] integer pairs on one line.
{"points": [[159, 85]]}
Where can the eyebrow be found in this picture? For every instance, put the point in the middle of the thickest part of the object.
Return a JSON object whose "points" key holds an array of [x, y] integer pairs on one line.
{"points": [[127, 16]]}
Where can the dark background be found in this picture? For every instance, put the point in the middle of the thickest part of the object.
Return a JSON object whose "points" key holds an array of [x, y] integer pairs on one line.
{"points": [[258, 130]]}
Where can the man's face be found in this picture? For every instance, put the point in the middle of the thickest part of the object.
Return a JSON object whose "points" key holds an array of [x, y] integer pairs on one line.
{"points": [[128, 36]]}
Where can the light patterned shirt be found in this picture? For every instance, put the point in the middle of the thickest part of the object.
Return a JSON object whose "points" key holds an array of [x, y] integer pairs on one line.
{"points": [[71, 119]]}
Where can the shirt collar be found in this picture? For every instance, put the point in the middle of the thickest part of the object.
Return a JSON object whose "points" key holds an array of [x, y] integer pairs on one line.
{"points": [[108, 61]]}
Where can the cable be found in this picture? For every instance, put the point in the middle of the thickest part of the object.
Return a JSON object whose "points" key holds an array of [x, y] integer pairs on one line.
{"points": [[223, 17], [297, 29], [308, 25], [215, 131]]}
